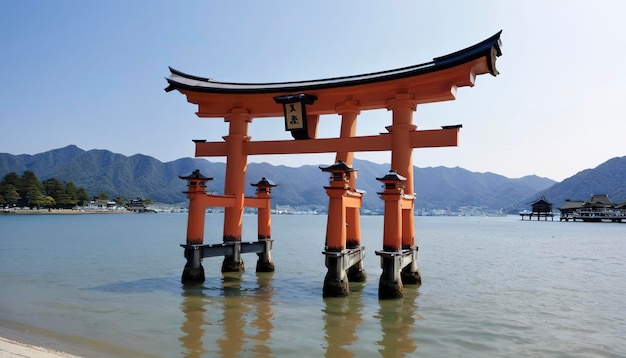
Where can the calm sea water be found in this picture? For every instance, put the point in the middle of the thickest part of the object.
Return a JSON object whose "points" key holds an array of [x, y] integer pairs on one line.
{"points": [[108, 285]]}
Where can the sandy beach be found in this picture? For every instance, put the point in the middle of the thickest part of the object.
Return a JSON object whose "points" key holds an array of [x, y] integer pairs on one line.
{"points": [[10, 348]]}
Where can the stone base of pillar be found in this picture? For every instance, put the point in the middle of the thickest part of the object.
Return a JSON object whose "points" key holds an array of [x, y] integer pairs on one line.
{"points": [[193, 271], [393, 263], [192, 275], [335, 286], [339, 264], [263, 265], [411, 275], [389, 290], [390, 284], [231, 265], [356, 273]]}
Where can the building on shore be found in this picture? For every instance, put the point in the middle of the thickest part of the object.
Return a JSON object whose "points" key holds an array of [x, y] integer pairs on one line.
{"points": [[599, 209]]}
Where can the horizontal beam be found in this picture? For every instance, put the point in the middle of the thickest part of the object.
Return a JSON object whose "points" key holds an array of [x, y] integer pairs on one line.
{"points": [[417, 139], [228, 249]]}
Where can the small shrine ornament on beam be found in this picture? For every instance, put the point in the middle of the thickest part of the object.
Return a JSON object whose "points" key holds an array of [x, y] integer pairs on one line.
{"points": [[294, 108]]}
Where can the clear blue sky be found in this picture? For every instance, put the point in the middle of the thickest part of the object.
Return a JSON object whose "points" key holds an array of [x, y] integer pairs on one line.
{"points": [[92, 73]]}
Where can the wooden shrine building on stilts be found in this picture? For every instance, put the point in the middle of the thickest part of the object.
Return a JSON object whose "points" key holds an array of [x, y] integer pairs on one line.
{"points": [[300, 104]]}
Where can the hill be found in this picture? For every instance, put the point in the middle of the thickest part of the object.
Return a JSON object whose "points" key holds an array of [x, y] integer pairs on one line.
{"points": [[143, 176], [607, 178]]}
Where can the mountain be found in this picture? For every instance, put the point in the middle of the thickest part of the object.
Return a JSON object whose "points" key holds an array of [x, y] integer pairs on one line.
{"points": [[143, 176], [607, 178]]}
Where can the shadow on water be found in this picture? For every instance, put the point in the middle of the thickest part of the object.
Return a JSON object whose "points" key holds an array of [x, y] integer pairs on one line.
{"points": [[146, 285], [246, 316]]}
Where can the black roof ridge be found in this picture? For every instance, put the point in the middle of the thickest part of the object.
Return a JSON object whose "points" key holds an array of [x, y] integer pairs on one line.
{"points": [[489, 47]]}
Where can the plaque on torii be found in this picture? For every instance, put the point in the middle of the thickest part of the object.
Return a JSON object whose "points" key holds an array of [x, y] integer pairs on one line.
{"points": [[300, 104]]}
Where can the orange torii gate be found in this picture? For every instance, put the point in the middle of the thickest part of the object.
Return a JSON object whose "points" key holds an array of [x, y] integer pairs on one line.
{"points": [[301, 104]]}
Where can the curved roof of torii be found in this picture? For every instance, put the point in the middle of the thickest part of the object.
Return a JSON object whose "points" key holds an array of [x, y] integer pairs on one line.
{"points": [[433, 81]]}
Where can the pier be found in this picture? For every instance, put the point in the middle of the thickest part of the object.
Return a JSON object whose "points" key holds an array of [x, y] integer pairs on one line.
{"points": [[300, 105], [540, 208]]}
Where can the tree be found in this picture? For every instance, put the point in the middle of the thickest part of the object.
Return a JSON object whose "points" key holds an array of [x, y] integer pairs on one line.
{"points": [[11, 179], [30, 190], [119, 201], [82, 196], [72, 192], [27, 190], [8, 189], [103, 196], [55, 189], [49, 201]]}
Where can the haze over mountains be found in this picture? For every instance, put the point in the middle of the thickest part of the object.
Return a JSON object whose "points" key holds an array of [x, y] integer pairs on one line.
{"points": [[453, 189]]}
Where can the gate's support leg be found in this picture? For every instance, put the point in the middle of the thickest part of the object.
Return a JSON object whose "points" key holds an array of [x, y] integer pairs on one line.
{"points": [[338, 263], [193, 271], [233, 263], [264, 225], [357, 273], [336, 280], [410, 273], [390, 284], [392, 281], [234, 184], [264, 263], [196, 185]]}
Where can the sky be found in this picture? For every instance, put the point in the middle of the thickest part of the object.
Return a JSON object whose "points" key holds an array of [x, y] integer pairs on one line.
{"points": [[93, 73]]}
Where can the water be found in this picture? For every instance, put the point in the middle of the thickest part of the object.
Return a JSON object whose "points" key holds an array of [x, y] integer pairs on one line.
{"points": [[108, 285]]}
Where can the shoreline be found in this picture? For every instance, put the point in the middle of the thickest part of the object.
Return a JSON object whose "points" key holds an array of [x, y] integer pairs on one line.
{"points": [[11, 348], [60, 212], [24, 340]]}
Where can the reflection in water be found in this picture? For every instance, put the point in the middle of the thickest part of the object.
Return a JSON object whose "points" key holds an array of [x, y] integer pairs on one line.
{"points": [[264, 315], [233, 321], [243, 311], [342, 316], [193, 325], [397, 318]]}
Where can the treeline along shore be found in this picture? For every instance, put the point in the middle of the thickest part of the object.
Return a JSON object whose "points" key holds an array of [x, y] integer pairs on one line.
{"points": [[27, 211], [26, 194]]}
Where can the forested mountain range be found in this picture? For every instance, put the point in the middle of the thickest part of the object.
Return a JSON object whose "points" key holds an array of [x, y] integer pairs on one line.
{"points": [[146, 177]]}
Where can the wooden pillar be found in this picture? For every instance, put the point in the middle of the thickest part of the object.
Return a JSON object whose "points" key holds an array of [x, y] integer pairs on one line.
{"points": [[392, 226], [390, 283], [336, 279], [197, 212], [336, 220], [236, 164], [403, 107], [196, 192], [264, 225], [349, 111]]}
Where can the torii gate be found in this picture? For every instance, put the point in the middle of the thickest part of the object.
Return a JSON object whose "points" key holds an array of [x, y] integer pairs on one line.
{"points": [[301, 104]]}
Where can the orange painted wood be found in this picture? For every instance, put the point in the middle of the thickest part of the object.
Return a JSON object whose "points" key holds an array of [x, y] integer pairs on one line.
{"points": [[427, 88], [417, 139]]}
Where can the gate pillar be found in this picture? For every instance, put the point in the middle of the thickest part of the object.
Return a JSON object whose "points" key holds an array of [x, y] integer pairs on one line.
{"points": [[403, 106], [263, 190], [196, 190], [338, 258], [393, 256], [236, 164], [349, 110]]}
